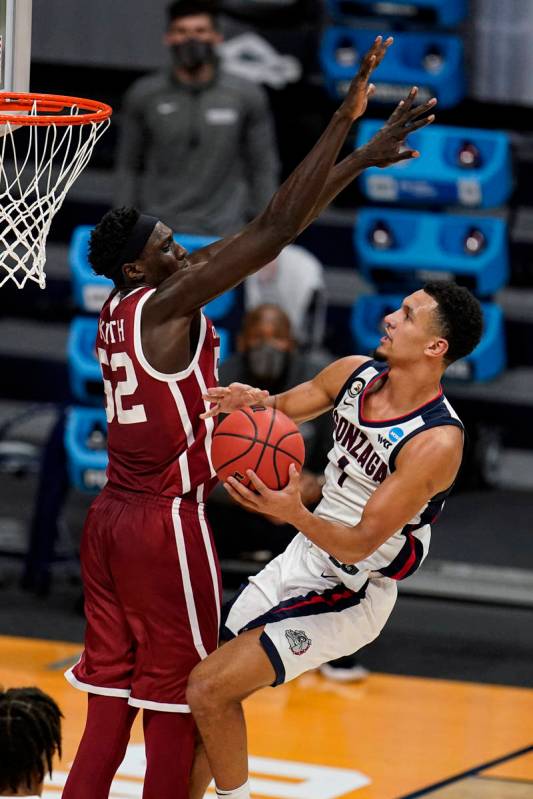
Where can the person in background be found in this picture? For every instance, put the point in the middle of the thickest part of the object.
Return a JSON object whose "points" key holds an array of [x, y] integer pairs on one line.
{"points": [[30, 736], [295, 282], [197, 146], [267, 355]]}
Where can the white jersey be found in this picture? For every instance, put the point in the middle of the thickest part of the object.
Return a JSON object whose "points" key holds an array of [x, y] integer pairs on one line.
{"points": [[364, 453]]}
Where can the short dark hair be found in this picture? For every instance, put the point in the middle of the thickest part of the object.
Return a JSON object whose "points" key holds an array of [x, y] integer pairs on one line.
{"points": [[459, 317], [190, 8], [108, 238], [30, 735], [255, 315]]}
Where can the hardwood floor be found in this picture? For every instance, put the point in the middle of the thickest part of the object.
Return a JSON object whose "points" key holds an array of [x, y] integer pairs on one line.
{"points": [[385, 738]]}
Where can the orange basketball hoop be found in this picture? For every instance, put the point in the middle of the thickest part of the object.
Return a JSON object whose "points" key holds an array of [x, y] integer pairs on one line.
{"points": [[36, 175]]}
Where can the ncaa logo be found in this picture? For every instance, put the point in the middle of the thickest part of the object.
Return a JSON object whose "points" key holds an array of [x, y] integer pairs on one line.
{"points": [[395, 434]]}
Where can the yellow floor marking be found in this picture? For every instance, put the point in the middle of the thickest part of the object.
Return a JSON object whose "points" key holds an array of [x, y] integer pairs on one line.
{"points": [[473, 788]]}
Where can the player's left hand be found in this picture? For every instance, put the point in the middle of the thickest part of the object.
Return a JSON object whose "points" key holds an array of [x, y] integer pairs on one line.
{"points": [[226, 399], [356, 100], [284, 505]]}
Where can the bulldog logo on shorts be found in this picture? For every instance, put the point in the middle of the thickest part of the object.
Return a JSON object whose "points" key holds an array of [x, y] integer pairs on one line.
{"points": [[298, 641]]}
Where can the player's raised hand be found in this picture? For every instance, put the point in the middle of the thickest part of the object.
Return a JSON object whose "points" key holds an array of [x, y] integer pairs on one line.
{"points": [[226, 399], [387, 146], [361, 90]]}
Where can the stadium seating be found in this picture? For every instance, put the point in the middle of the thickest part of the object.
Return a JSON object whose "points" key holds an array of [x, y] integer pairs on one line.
{"points": [[438, 178], [426, 245], [441, 12], [86, 464], [433, 62]]}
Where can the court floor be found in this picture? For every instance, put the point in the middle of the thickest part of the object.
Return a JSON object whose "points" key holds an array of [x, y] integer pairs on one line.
{"points": [[387, 738]]}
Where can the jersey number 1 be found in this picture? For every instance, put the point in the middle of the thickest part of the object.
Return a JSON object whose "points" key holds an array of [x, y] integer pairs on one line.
{"points": [[125, 388], [342, 463]]}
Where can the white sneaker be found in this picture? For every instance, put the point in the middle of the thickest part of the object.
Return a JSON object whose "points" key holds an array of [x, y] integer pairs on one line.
{"points": [[346, 669]]}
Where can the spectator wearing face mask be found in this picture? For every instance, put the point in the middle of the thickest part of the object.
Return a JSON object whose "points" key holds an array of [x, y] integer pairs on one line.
{"points": [[197, 146]]}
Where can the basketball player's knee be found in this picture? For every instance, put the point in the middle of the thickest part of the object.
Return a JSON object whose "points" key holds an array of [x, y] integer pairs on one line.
{"points": [[204, 689]]}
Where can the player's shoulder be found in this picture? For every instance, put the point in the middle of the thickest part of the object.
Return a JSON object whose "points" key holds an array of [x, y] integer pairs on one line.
{"points": [[441, 444], [336, 377], [108, 300], [433, 456]]}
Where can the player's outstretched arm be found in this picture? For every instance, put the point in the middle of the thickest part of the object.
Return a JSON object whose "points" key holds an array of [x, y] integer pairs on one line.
{"points": [[301, 403], [216, 269], [426, 466]]}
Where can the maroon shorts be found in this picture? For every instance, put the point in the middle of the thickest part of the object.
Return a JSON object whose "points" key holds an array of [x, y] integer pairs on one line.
{"points": [[152, 598]]}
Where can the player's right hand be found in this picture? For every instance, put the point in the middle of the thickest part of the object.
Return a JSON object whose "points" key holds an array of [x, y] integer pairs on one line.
{"points": [[387, 145], [226, 399]]}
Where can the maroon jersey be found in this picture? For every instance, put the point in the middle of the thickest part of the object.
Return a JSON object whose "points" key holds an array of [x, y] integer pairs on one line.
{"points": [[157, 442]]}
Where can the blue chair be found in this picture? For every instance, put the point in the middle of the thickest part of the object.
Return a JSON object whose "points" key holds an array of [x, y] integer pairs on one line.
{"points": [[436, 178], [225, 343], [86, 466], [486, 362], [90, 290], [84, 369], [426, 243], [402, 68], [442, 12]]}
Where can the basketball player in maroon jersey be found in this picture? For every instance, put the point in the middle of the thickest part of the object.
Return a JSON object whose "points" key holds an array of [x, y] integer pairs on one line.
{"points": [[151, 578]]}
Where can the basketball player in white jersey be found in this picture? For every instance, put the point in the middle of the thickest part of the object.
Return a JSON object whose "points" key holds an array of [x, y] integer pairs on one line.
{"points": [[396, 451]]}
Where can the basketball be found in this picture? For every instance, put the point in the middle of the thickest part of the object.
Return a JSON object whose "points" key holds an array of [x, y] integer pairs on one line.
{"points": [[261, 439]]}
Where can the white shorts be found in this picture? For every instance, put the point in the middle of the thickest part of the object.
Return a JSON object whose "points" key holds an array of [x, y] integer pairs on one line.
{"points": [[309, 616]]}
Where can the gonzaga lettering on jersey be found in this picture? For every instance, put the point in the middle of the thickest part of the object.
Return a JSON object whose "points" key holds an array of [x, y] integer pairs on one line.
{"points": [[156, 441], [364, 453]]}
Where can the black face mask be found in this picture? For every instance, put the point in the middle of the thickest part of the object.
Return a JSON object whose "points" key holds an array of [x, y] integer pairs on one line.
{"points": [[193, 54], [266, 363]]}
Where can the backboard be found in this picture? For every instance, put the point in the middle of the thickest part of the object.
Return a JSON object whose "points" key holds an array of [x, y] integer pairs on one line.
{"points": [[15, 45]]}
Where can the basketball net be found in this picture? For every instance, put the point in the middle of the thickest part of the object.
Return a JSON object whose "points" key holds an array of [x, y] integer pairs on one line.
{"points": [[41, 155]]}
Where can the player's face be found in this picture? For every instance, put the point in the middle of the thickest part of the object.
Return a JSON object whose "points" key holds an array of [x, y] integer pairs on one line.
{"points": [[162, 256], [195, 26], [411, 332]]}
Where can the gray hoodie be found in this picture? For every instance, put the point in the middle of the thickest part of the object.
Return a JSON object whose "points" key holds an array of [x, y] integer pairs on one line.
{"points": [[203, 159]]}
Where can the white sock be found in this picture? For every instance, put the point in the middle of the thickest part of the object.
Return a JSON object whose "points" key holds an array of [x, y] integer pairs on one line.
{"points": [[238, 793]]}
